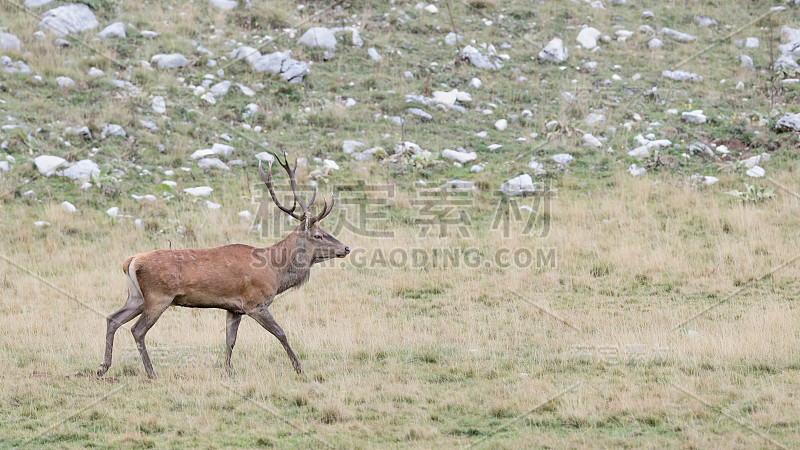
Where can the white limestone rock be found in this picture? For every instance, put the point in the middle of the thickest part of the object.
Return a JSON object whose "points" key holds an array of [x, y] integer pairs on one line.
{"points": [[48, 164], [9, 42], [82, 170], [676, 35], [169, 61], [66, 19], [115, 30], [588, 36], [68, 207], [554, 51], [199, 191], [319, 37], [461, 157], [518, 186]]}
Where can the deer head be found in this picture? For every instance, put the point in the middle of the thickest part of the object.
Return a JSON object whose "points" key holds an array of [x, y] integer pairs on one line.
{"points": [[310, 238]]}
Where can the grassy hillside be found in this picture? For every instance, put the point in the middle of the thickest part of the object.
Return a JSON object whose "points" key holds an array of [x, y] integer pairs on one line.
{"points": [[655, 310]]}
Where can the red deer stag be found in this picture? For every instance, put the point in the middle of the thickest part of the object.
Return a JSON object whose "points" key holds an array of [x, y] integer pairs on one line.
{"points": [[237, 278]]}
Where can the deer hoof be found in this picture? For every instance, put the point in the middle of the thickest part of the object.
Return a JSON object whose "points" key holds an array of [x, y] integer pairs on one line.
{"points": [[102, 370]]}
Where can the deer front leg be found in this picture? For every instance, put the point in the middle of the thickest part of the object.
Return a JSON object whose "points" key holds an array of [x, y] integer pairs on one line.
{"points": [[232, 322], [264, 318]]}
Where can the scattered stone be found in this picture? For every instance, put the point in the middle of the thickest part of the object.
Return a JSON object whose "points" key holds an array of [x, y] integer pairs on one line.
{"points": [[677, 35], [755, 160], [636, 170], [373, 54], [170, 61], [562, 159], [701, 179], [82, 170], [452, 39], [554, 51], [265, 157], [149, 34], [458, 186], [65, 82], [655, 44], [705, 21], [112, 130], [36, 3], [461, 157], [220, 88], [113, 211], [68, 207], [47, 164], [479, 60], [747, 62], [349, 147], [199, 191], [216, 149], [588, 38], [289, 69], [756, 172], [149, 124], [68, 19], [681, 75], [41, 224], [94, 72], [148, 197], [9, 42], [788, 122], [518, 186], [246, 90], [4, 166], [432, 9], [319, 37], [592, 119], [475, 83], [224, 5], [751, 42], [591, 141], [115, 30], [330, 164], [212, 163], [420, 113], [695, 116], [623, 35], [9, 66], [449, 98], [159, 105], [247, 215]]}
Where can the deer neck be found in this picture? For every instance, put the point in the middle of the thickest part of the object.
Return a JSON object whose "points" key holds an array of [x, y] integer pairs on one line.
{"points": [[292, 262]]}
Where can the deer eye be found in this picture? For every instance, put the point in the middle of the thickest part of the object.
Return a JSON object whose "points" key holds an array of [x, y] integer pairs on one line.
{"points": [[317, 236]]}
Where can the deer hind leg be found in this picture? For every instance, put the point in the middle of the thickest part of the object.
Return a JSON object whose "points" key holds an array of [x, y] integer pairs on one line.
{"points": [[232, 322], [265, 319], [132, 308], [150, 315]]}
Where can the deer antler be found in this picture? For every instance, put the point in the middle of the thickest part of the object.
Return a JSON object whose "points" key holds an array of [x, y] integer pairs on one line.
{"points": [[325, 209], [267, 178], [297, 200]]}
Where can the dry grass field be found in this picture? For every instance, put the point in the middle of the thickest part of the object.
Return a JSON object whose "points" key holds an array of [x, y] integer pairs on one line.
{"points": [[649, 311], [582, 353]]}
